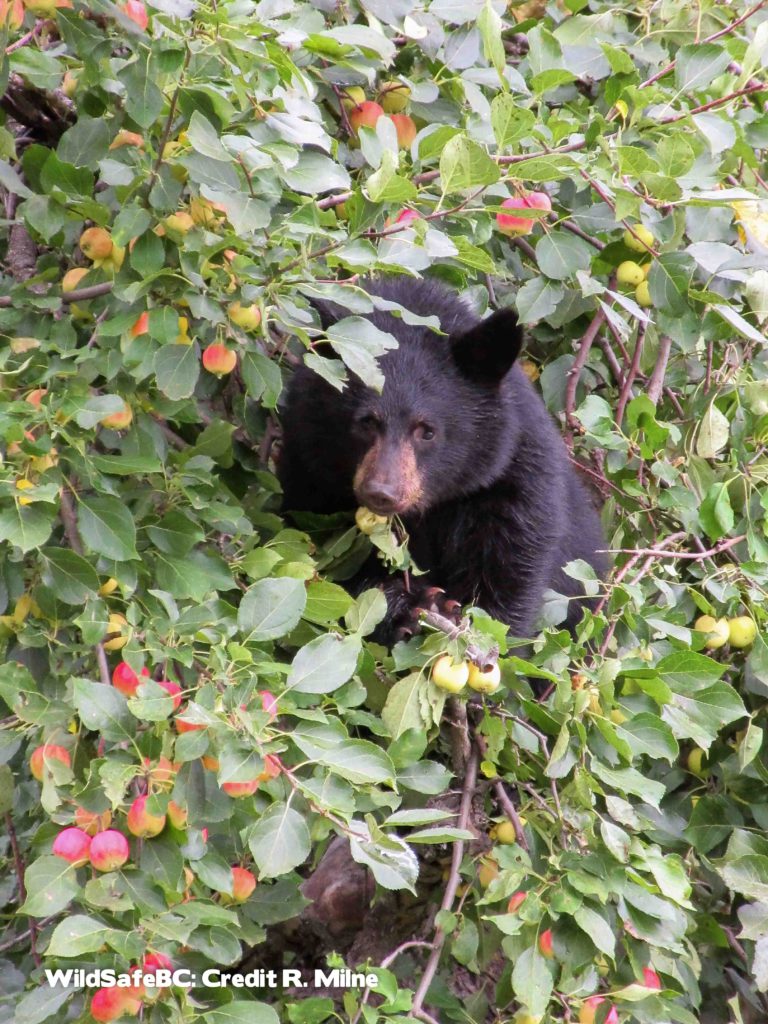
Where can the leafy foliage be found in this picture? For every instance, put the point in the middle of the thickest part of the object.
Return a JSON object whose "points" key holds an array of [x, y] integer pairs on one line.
{"points": [[213, 143]]}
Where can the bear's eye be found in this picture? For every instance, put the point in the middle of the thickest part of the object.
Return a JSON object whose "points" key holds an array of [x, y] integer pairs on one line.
{"points": [[368, 421], [423, 432]]}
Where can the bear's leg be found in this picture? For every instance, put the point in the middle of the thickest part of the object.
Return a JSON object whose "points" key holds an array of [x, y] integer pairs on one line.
{"points": [[406, 596]]}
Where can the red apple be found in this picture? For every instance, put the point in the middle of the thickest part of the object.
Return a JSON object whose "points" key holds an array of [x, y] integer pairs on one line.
{"points": [[511, 225], [141, 326], [515, 902], [651, 978], [407, 217], [48, 752], [96, 243], [405, 128], [36, 397], [141, 822], [173, 690], [268, 704], [118, 421], [238, 789], [588, 1011], [156, 962], [177, 814], [91, 821], [137, 12], [110, 1003], [72, 844], [545, 944], [272, 768], [365, 115], [182, 726], [243, 884], [109, 850], [219, 359], [125, 680], [163, 772]]}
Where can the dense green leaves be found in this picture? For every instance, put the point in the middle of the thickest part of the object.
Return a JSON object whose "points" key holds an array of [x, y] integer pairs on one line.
{"points": [[213, 146]]}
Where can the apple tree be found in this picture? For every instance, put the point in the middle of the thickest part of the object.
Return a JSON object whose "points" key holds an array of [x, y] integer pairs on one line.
{"points": [[205, 760]]}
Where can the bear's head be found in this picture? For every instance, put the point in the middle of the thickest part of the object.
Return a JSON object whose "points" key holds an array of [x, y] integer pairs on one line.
{"points": [[445, 422]]}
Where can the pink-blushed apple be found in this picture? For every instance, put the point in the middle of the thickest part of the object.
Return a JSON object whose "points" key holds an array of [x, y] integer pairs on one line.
{"points": [[512, 225], [73, 845], [109, 850]]}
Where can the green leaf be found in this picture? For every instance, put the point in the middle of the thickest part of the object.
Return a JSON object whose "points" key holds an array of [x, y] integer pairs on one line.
{"points": [[25, 527], [715, 513], [279, 841], [668, 281], [369, 610], [701, 717], [51, 884], [360, 762], [107, 527], [532, 981], [407, 706], [647, 734], [490, 27], [102, 709], [597, 928], [177, 368], [152, 702], [41, 1004], [509, 120], [271, 608], [143, 99], [262, 378], [326, 602], [72, 579], [324, 664], [699, 64], [85, 143], [76, 935], [714, 430], [359, 343], [242, 1012], [393, 863], [560, 255], [747, 875], [688, 671], [59, 178], [537, 299], [464, 165], [204, 138]]}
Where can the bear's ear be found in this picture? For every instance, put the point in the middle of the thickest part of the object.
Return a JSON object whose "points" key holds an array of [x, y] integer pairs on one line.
{"points": [[486, 352]]}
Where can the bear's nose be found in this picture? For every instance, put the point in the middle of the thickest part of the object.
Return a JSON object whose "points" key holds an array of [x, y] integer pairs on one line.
{"points": [[379, 497]]}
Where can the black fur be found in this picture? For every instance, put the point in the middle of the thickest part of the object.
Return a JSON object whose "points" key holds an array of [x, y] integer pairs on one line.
{"points": [[501, 508]]}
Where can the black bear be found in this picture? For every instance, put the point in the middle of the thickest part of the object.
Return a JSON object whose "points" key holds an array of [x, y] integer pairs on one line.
{"points": [[461, 447]]}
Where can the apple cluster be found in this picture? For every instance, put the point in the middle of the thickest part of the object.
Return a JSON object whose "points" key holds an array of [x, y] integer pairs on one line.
{"points": [[95, 839], [392, 100]]}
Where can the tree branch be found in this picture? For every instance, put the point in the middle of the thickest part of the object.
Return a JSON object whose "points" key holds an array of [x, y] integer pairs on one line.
{"points": [[452, 885], [71, 532], [18, 861]]}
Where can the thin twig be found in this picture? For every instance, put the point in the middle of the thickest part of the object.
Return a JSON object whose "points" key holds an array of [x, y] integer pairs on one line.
{"points": [[452, 885], [694, 556], [634, 366], [385, 963], [656, 381], [578, 365], [18, 861], [709, 39]]}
